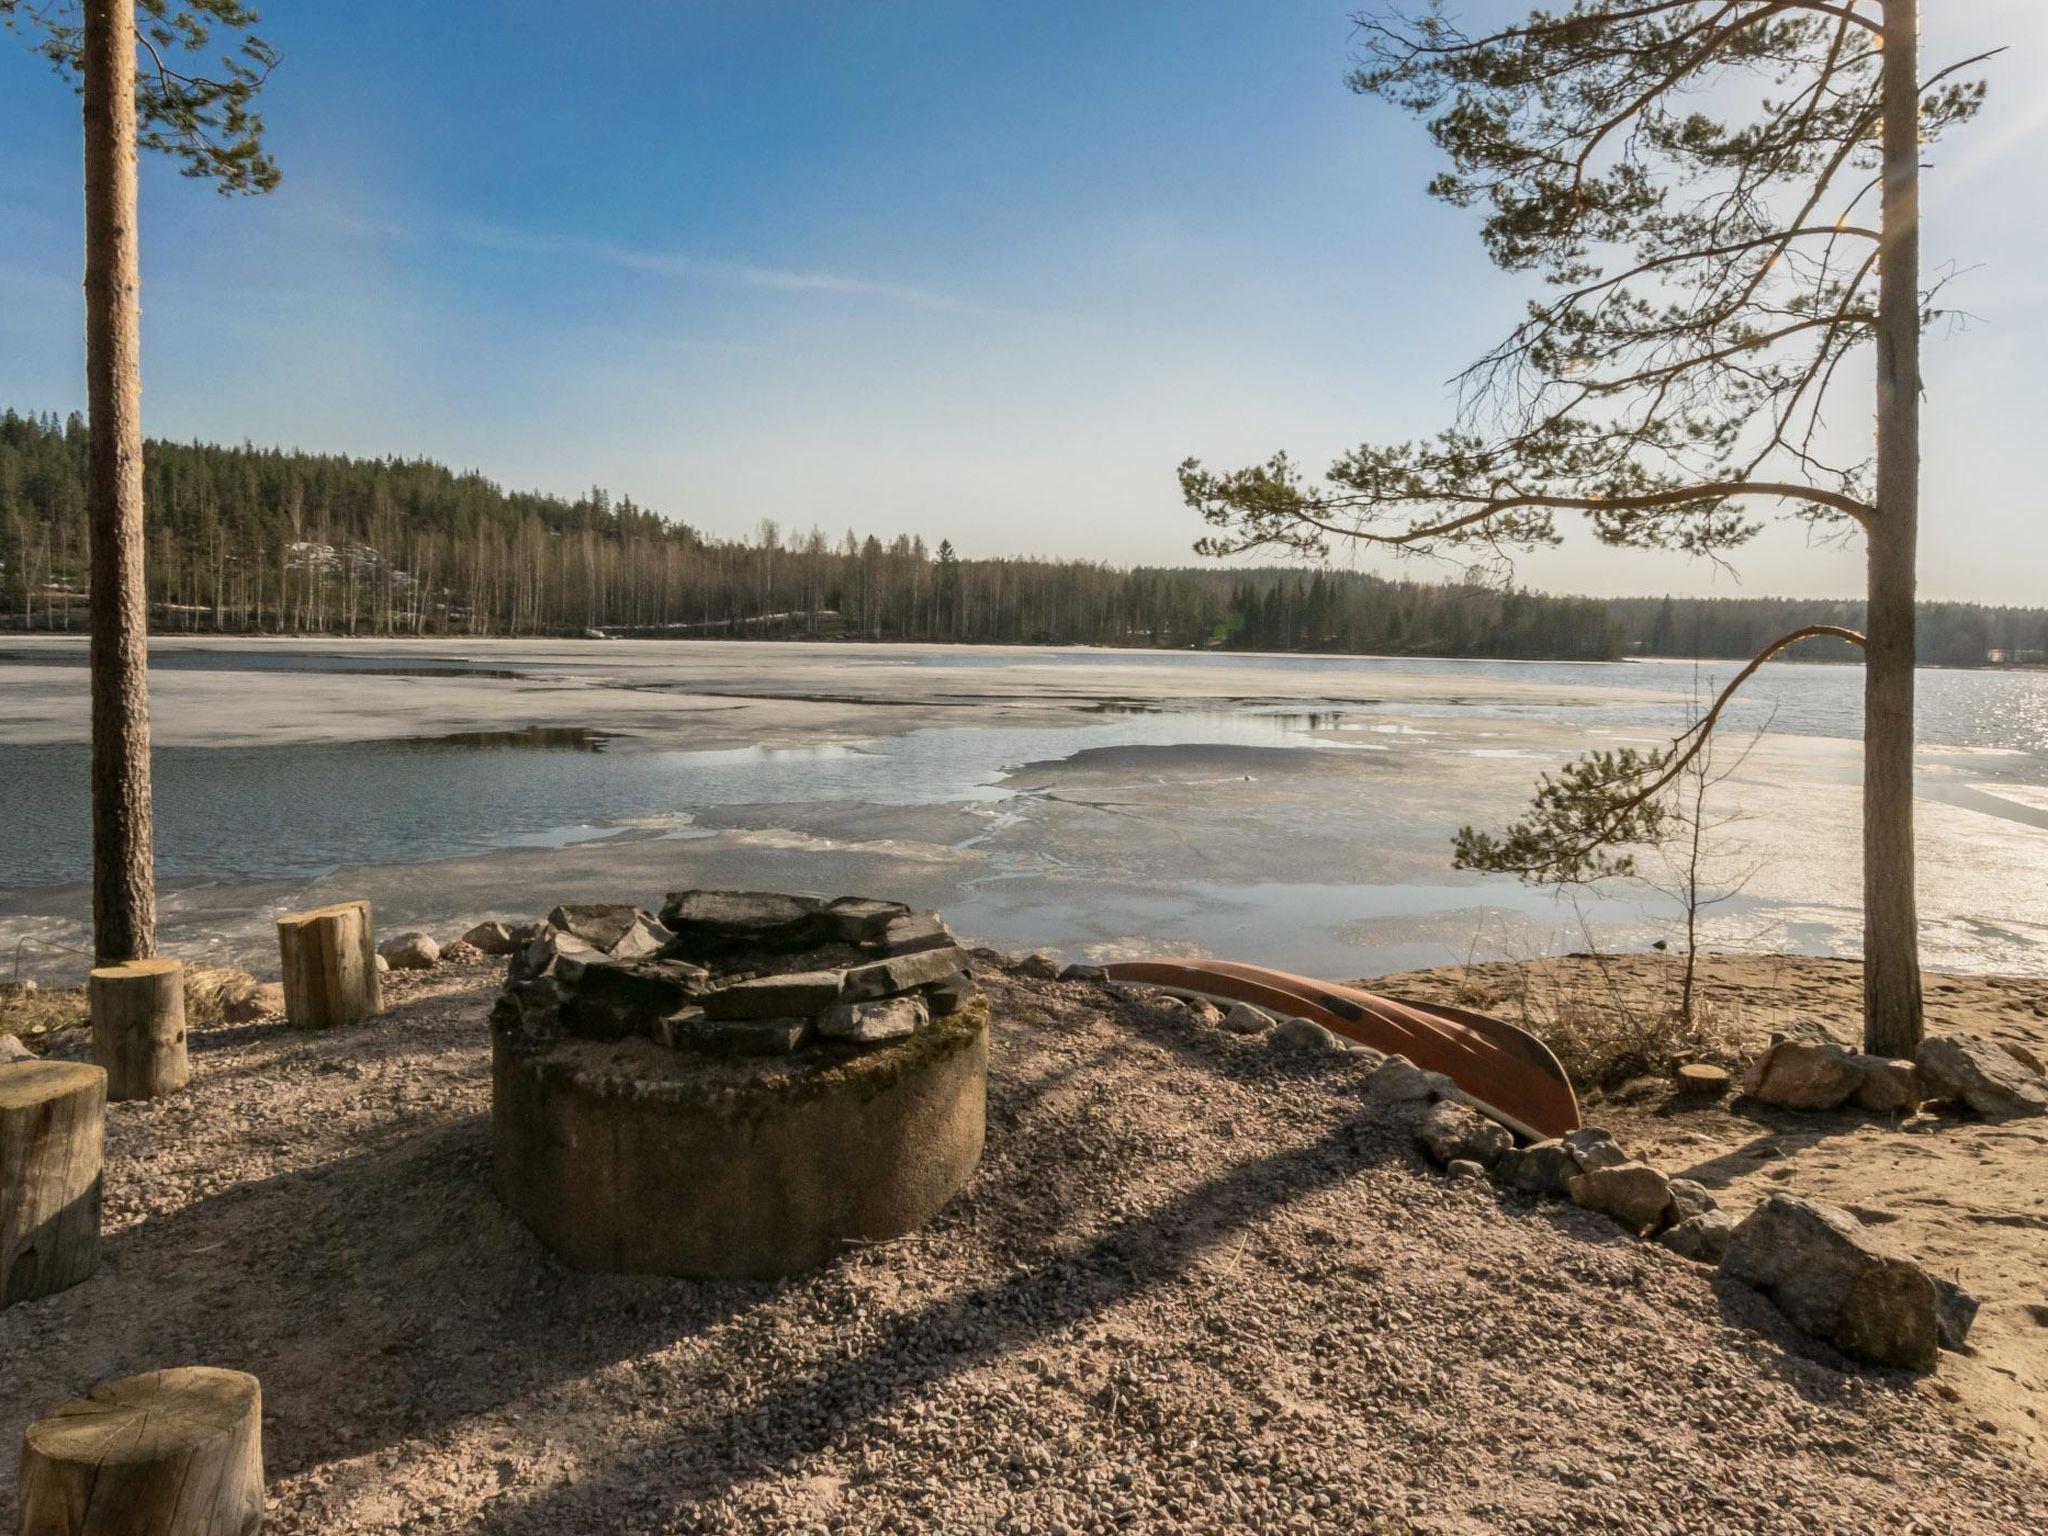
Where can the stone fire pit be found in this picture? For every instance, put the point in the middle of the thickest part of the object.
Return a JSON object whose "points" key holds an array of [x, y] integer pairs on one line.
{"points": [[741, 1086]]}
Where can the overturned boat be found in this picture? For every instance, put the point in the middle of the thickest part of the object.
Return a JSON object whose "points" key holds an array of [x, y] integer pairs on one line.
{"points": [[1503, 1071]]}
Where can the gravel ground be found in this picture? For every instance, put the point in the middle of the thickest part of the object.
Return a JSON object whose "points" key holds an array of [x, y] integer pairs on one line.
{"points": [[1196, 1286]]}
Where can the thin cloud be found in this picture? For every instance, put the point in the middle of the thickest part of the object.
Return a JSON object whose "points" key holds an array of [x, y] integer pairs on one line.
{"points": [[683, 265]]}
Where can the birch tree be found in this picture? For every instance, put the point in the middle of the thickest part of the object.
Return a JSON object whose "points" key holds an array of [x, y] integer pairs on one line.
{"points": [[1721, 200]]}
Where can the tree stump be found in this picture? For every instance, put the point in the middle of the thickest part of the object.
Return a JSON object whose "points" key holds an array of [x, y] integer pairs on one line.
{"points": [[330, 966], [52, 1114], [169, 1453], [138, 1027]]}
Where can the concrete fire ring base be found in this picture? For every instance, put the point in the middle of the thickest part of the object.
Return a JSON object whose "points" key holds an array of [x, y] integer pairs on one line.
{"points": [[631, 1158]]}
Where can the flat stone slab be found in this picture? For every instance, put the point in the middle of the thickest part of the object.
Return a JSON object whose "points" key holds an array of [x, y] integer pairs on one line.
{"points": [[901, 973], [775, 997]]}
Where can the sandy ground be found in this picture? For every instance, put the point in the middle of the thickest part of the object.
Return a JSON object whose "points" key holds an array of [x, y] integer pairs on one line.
{"points": [[1969, 1199], [1195, 1286]]}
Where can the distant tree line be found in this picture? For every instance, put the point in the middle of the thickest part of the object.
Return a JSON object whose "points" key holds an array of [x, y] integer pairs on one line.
{"points": [[256, 540]]}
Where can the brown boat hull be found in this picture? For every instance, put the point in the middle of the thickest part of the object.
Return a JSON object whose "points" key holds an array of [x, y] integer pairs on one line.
{"points": [[1504, 1070]]}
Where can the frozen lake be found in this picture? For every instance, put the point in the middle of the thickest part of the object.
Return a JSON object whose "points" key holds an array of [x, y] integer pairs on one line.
{"points": [[1295, 810]]}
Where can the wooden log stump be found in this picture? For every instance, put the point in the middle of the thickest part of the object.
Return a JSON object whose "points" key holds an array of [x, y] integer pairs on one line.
{"points": [[169, 1453], [52, 1115], [330, 966], [138, 1027]]}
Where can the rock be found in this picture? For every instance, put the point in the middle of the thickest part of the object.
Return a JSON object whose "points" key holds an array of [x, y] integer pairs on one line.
{"points": [[410, 952], [1639, 1090], [264, 1000], [1803, 1074], [891, 1018], [1541, 1168], [1084, 973], [862, 919], [901, 973], [1703, 1238], [1636, 1195], [1955, 1310], [1594, 1148], [1038, 966], [71, 1045], [952, 994], [1451, 1133], [1244, 1019], [1701, 1082], [715, 922], [1464, 1168], [383, 965], [739, 1037], [600, 926], [909, 932], [1982, 1074], [1886, 1087], [12, 1050], [644, 940], [1304, 1035], [674, 1029], [2013, 1048], [1833, 1280], [492, 938], [798, 993], [548, 948], [1202, 1011], [461, 952], [1690, 1198], [1397, 1080]]}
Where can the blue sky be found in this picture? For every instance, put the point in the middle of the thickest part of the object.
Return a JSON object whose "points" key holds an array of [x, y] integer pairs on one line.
{"points": [[955, 268]]}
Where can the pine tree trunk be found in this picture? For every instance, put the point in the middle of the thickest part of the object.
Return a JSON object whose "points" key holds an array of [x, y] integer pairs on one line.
{"points": [[123, 878], [1891, 924]]}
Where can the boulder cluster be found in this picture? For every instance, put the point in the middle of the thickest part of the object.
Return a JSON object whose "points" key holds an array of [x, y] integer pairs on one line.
{"points": [[1822, 1268], [737, 973], [1994, 1080]]}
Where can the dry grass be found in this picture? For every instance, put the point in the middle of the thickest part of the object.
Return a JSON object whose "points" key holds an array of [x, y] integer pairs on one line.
{"points": [[1601, 1024], [38, 1014]]}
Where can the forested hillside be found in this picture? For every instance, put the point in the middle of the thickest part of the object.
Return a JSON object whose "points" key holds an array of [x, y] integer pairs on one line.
{"points": [[267, 540]]}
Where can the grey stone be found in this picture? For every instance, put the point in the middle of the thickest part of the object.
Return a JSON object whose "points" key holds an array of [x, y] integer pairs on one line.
{"points": [[1690, 1198], [1304, 1035], [1703, 1238], [861, 919], [1397, 1080], [1464, 1168], [491, 938], [1202, 1011], [410, 952], [70, 1045], [1084, 973], [674, 1029], [1541, 1168], [889, 1018], [909, 932], [650, 987], [952, 994], [600, 926], [1833, 1280], [645, 939], [1983, 1075], [383, 965], [1803, 1074], [715, 922], [1244, 1019], [1635, 1195], [548, 948], [1595, 1148], [12, 1050], [1038, 966], [900, 973], [1451, 1133], [1886, 1087], [745, 1037], [798, 993]]}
